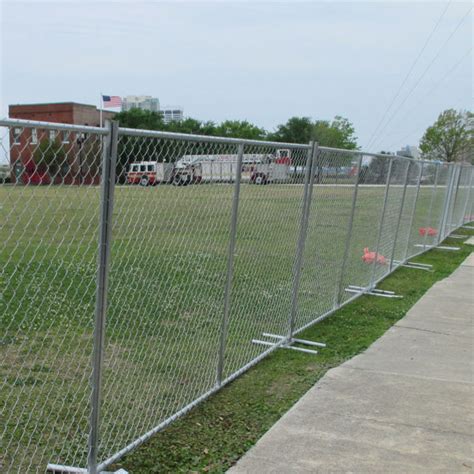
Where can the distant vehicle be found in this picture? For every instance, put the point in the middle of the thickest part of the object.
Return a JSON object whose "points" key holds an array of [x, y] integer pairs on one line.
{"points": [[256, 168], [149, 173], [4, 173]]}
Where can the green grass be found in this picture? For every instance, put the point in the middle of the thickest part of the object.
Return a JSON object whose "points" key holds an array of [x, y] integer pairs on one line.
{"points": [[218, 432], [168, 268]]}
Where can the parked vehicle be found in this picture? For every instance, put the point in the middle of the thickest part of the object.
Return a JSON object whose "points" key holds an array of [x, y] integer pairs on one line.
{"points": [[149, 173], [256, 168]]}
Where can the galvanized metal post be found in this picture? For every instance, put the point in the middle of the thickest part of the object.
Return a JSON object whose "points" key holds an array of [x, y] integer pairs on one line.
{"points": [[430, 210], [230, 265], [412, 219], [402, 204], [109, 159], [307, 196], [382, 218], [338, 293]]}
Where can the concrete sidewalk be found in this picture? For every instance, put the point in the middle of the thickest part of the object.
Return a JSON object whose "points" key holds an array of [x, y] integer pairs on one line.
{"points": [[405, 405]]}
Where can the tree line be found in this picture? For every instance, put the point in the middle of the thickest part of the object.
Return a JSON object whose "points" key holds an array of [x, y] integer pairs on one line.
{"points": [[337, 133]]}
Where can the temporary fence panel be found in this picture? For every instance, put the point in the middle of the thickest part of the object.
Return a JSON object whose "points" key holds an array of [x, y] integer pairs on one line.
{"points": [[169, 254], [331, 210], [267, 232], [49, 223]]}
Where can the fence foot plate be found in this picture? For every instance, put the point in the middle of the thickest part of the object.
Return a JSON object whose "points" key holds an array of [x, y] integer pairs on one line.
{"points": [[69, 469], [441, 247], [58, 468], [288, 345], [372, 292], [418, 266]]}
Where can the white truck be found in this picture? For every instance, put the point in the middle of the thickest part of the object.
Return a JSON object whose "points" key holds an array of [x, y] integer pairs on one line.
{"points": [[256, 168], [149, 173]]}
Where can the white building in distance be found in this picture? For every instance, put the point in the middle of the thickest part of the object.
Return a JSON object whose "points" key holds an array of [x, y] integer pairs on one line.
{"points": [[143, 102], [172, 114], [410, 151]]}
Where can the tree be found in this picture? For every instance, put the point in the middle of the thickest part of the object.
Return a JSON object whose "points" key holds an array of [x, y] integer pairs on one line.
{"points": [[193, 126], [375, 172], [295, 130], [450, 138], [240, 129], [339, 133], [138, 118]]}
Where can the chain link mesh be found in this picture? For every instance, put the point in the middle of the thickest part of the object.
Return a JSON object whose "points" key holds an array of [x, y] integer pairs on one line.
{"points": [[48, 250], [188, 300]]}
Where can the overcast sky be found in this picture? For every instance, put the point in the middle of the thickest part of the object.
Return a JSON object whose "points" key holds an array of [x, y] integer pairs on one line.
{"points": [[263, 62]]}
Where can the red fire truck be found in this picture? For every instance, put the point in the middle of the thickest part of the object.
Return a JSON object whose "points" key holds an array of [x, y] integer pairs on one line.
{"points": [[149, 173]]}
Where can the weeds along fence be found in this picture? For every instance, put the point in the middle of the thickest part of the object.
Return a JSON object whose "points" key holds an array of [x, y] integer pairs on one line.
{"points": [[125, 304]]}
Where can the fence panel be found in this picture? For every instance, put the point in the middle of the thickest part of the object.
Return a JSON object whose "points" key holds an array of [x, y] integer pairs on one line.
{"points": [[329, 229], [421, 231], [442, 197], [469, 215], [373, 177], [451, 200], [462, 196], [166, 291], [391, 221], [269, 223], [49, 218]]}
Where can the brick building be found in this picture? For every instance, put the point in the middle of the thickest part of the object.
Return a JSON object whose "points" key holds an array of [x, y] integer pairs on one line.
{"points": [[39, 156]]}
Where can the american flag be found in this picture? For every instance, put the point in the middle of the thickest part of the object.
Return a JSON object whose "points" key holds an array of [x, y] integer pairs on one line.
{"points": [[111, 101]]}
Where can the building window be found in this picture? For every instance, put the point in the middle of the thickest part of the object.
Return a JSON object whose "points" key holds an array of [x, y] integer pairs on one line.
{"points": [[52, 135], [16, 135], [65, 136], [34, 136]]}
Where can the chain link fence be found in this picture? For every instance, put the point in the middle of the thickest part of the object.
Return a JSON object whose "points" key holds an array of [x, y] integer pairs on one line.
{"points": [[142, 271]]}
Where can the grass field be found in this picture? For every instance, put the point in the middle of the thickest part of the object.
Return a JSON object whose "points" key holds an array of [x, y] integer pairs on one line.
{"points": [[166, 298]]}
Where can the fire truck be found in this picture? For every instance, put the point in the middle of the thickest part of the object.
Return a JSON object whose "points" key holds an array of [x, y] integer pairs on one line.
{"points": [[150, 173], [256, 168]]}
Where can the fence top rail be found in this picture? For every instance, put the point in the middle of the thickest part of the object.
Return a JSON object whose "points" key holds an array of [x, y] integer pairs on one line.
{"points": [[378, 155], [21, 123], [362, 152]]}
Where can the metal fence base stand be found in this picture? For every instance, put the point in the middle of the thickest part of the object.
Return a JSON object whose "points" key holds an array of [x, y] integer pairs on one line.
{"points": [[441, 247], [468, 227], [294, 339], [418, 266], [60, 468], [78, 470], [457, 236], [372, 292], [288, 345]]}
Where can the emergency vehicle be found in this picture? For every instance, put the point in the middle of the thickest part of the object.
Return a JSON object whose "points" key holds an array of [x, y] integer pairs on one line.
{"points": [[256, 168], [149, 173]]}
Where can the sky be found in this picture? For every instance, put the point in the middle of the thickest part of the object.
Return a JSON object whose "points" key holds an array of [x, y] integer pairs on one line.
{"points": [[259, 61]]}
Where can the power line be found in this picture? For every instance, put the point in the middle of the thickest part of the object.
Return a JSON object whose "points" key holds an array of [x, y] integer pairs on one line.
{"points": [[424, 73], [456, 65], [394, 98]]}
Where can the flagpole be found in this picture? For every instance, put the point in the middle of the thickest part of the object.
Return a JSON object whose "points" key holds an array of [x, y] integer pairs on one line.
{"points": [[101, 107]]}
